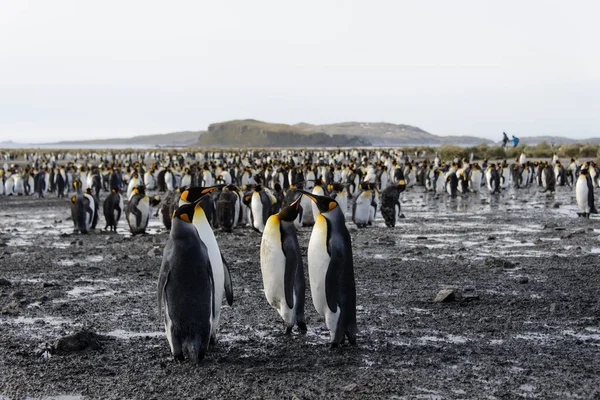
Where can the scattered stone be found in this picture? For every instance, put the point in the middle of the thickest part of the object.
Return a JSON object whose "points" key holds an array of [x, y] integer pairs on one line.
{"points": [[154, 252], [421, 237], [523, 280], [498, 263], [556, 205], [5, 282], [79, 341], [401, 216], [560, 228], [350, 387], [491, 238], [470, 297], [447, 295], [552, 307], [12, 308], [49, 284], [17, 294]]}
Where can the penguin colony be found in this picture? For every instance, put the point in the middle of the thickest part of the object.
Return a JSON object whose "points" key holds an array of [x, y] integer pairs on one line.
{"points": [[273, 193]]}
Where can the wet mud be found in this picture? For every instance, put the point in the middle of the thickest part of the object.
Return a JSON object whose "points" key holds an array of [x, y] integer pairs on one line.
{"points": [[525, 321]]}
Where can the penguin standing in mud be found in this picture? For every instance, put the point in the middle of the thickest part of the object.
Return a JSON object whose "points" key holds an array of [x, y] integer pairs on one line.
{"points": [[113, 207], [137, 212], [93, 198], [584, 193], [220, 272], [186, 289], [228, 208], [452, 184], [260, 205], [390, 203], [282, 269], [82, 210], [331, 271], [361, 209]]}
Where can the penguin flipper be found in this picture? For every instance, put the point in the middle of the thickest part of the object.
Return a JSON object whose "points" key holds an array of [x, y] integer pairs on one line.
{"points": [[228, 284], [291, 261]]}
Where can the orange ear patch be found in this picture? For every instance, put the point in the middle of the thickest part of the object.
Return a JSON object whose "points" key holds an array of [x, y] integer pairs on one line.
{"points": [[73, 199], [185, 217]]}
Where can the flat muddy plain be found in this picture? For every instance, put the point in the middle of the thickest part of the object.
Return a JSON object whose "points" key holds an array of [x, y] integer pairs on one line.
{"points": [[523, 321]]}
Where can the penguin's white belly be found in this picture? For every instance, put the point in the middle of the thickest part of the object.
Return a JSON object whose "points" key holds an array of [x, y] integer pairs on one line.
{"points": [[272, 266], [318, 190], [149, 181], [363, 209], [581, 193], [475, 181], [257, 211], [169, 180], [342, 200], [132, 183], [307, 215], [19, 187], [144, 207], [216, 262], [186, 180], [318, 264]]}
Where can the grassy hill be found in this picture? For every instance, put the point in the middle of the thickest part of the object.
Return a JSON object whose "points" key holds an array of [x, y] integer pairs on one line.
{"points": [[387, 134], [253, 133]]}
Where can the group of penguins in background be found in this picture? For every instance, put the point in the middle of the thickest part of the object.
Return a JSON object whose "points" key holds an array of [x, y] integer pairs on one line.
{"points": [[275, 192]]}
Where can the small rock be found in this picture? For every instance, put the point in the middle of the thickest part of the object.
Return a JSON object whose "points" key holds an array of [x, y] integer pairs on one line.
{"points": [[154, 252], [80, 242], [523, 280], [350, 387], [79, 341], [77, 265], [17, 294], [491, 238], [401, 216], [556, 205], [12, 308], [421, 237], [552, 307], [5, 282], [560, 228], [470, 297], [49, 284], [446, 295]]}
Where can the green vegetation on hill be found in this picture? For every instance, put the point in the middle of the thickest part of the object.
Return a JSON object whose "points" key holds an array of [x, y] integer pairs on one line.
{"points": [[541, 150]]}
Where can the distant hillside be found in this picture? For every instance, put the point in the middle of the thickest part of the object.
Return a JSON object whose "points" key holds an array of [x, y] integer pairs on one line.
{"points": [[253, 133], [533, 140], [184, 138], [387, 134]]}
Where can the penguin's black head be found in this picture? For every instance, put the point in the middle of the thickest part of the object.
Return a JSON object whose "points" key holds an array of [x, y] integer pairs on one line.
{"points": [[192, 194], [324, 203], [185, 213], [290, 212], [141, 190]]}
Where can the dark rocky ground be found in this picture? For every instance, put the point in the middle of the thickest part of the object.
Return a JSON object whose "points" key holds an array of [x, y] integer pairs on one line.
{"points": [[528, 323]]}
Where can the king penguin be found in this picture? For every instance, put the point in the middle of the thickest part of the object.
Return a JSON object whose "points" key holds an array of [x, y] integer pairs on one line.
{"points": [[331, 271], [186, 289], [260, 205], [220, 271], [282, 269], [113, 207], [361, 209], [584, 193], [82, 210], [390, 203], [137, 212]]}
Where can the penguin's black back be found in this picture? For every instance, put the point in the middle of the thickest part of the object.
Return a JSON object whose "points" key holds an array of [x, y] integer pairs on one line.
{"points": [[226, 210]]}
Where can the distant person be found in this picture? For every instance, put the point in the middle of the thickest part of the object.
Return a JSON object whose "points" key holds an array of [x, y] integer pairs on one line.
{"points": [[515, 141], [504, 139]]}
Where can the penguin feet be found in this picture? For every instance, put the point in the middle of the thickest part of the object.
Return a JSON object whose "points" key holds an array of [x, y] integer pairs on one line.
{"points": [[302, 327], [213, 341], [288, 330]]}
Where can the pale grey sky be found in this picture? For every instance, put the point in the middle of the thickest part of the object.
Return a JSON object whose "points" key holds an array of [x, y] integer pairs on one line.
{"points": [[97, 69]]}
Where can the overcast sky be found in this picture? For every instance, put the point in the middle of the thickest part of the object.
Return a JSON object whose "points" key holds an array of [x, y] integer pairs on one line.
{"points": [[98, 69]]}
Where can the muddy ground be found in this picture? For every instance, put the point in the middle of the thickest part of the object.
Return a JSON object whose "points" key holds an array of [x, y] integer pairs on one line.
{"points": [[528, 324]]}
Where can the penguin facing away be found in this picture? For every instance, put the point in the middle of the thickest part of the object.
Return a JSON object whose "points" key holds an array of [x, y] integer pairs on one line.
{"points": [[331, 271], [113, 207], [82, 210], [282, 269], [186, 298], [138, 210]]}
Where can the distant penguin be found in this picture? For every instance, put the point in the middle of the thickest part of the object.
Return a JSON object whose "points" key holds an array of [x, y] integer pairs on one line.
{"points": [[138, 211], [133, 182], [186, 289], [19, 185], [475, 180], [228, 209], [113, 207], [291, 195], [170, 179], [390, 203], [149, 180], [260, 206], [492, 179], [82, 210], [331, 271], [452, 184], [548, 179], [282, 269], [584, 193], [89, 193], [361, 208], [339, 193], [318, 190], [167, 207]]}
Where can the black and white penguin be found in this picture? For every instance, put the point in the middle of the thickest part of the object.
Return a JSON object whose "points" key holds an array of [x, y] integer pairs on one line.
{"points": [[190, 195], [82, 210], [282, 269], [547, 177], [186, 289], [361, 209], [451, 183], [220, 271], [390, 203], [137, 212], [331, 271], [113, 207], [584, 193], [90, 194], [260, 205], [228, 208]]}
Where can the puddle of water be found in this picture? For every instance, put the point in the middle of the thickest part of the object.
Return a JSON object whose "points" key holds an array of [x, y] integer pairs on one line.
{"points": [[126, 335]]}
